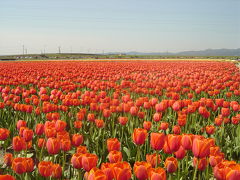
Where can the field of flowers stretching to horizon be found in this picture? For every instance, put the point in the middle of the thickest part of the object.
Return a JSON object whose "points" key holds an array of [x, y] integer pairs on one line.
{"points": [[113, 120]]}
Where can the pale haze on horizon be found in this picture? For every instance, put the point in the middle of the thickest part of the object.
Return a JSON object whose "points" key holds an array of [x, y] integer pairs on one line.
{"points": [[118, 26]]}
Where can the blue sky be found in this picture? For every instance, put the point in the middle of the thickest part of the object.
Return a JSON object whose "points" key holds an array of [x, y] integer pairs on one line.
{"points": [[123, 25]]}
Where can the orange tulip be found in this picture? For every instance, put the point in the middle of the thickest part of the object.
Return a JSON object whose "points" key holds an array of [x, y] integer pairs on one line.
{"points": [[19, 165], [99, 123], [56, 171], [96, 174], [164, 126], [210, 129], [108, 170], [234, 173], [91, 117], [45, 168], [6, 177], [115, 156], [89, 161], [78, 124], [157, 141], [147, 125], [172, 143], [200, 163], [30, 164], [176, 129], [41, 142], [152, 159], [60, 125], [82, 149], [4, 133], [65, 145], [18, 143], [122, 171], [123, 120], [158, 174], [113, 144], [50, 132], [139, 136], [8, 158], [214, 160], [225, 112], [227, 170]]}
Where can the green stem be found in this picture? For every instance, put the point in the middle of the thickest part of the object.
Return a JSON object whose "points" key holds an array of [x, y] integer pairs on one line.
{"points": [[156, 159], [138, 153], [195, 171]]}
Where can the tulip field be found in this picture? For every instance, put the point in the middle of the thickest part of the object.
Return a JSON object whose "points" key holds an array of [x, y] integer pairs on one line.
{"points": [[119, 120]]}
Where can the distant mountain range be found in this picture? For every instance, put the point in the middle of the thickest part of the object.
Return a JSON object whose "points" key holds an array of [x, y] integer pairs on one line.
{"points": [[207, 52]]}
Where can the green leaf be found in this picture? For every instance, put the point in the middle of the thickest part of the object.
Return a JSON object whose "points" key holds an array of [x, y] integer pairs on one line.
{"points": [[126, 150]]}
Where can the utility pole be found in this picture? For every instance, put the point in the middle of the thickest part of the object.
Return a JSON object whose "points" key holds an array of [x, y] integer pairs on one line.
{"points": [[44, 50], [59, 49], [23, 49]]}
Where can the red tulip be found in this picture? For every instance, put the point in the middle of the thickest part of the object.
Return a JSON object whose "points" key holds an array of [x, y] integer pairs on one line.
{"points": [[186, 141], [21, 123], [180, 153], [157, 117], [171, 164], [53, 145], [27, 134], [76, 160], [141, 170], [39, 130], [201, 147], [77, 140]]}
